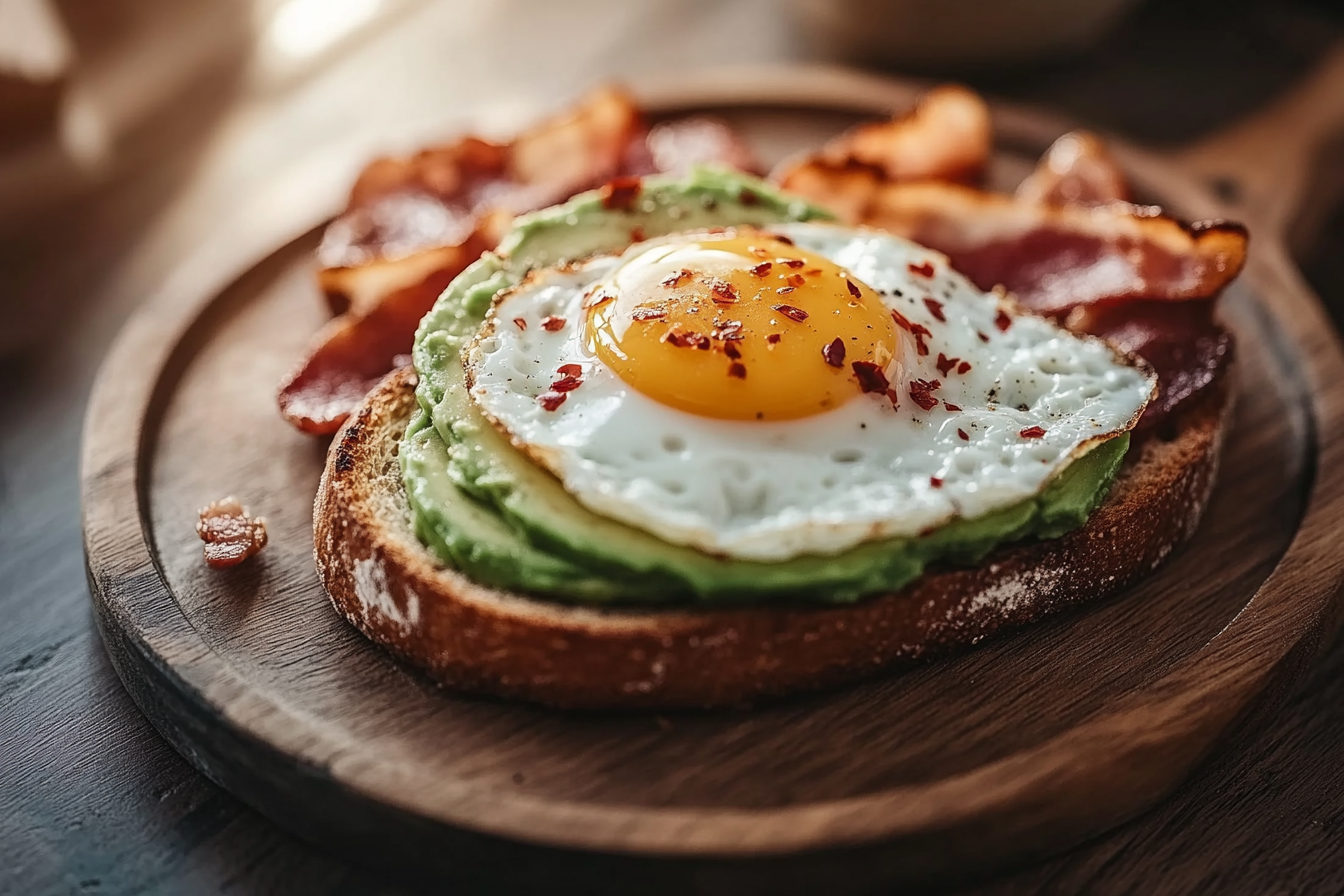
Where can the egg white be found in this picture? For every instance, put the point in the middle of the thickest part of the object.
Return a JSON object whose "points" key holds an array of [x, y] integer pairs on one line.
{"points": [[762, 490]]}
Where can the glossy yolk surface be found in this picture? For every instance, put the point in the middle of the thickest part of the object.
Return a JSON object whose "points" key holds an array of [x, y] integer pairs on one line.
{"points": [[739, 326]]}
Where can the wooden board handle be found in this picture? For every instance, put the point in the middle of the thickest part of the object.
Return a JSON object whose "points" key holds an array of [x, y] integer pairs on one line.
{"points": [[1275, 162]]}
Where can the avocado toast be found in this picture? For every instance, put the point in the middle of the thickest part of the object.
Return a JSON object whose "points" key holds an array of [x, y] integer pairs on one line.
{"points": [[444, 542]]}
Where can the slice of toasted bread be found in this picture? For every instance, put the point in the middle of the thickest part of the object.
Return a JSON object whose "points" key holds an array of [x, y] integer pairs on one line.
{"points": [[479, 639]]}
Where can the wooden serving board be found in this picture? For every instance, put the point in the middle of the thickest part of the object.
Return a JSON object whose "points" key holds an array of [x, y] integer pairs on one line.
{"points": [[1021, 747]]}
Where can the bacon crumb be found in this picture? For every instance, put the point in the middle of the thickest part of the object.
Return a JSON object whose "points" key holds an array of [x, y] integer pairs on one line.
{"points": [[230, 535], [961, 434], [936, 309], [784, 290], [796, 280], [762, 269], [773, 339], [570, 369], [963, 367], [551, 400], [935, 482], [552, 323], [950, 407], [722, 291], [566, 384], [834, 352], [618, 194], [672, 280], [1002, 321], [737, 370], [732, 351], [791, 262], [945, 364], [921, 393], [655, 312], [1032, 432], [923, 269], [853, 290], [871, 377], [520, 323], [794, 314]]}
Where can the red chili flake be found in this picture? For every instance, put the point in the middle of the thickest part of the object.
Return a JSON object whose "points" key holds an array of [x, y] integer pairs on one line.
{"points": [[654, 312], [1002, 320], [871, 377], [792, 313], [731, 350], [728, 330], [1032, 432], [951, 408], [551, 400], [636, 234], [619, 193], [963, 367], [747, 197], [895, 399], [762, 269], [853, 290], [773, 339], [983, 337], [782, 238], [921, 393], [593, 299], [901, 320], [758, 251], [684, 339], [738, 370], [834, 352], [566, 384], [791, 262], [961, 434], [552, 323], [722, 291], [520, 323], [935, 482], [923, 269], [784, 290], [672, 280], [945, 364], [796, 280], [936, 309], [570, 369]]}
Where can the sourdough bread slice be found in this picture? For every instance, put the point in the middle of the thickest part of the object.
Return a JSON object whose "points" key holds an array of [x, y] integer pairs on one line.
{"points": [[479, 639]]}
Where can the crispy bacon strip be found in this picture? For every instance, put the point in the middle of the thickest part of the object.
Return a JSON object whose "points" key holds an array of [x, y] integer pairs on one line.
{"points": [[1053, 257], [947, 136], [1076, 170], [1181, 340], [230, 535], [413, 224], [353, 352]]}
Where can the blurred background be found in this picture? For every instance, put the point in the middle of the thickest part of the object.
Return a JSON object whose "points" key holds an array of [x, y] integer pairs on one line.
{"points": [[129, 127]]}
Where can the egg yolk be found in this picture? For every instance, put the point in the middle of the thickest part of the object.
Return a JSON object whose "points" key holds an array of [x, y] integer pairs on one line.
{"points": [[740, 325]]}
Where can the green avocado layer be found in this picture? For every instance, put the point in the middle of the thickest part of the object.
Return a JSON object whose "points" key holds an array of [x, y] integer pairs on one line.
{"points": [[484, 508]]}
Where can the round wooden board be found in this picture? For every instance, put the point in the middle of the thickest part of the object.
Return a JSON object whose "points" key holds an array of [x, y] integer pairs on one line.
{"points": [[1025, 745]]}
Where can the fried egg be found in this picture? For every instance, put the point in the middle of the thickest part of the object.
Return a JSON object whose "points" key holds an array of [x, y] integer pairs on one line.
{"points": [[763, 394]]}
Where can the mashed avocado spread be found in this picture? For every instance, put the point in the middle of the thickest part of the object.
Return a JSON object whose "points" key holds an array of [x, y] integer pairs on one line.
{"points": [[484, 508]]}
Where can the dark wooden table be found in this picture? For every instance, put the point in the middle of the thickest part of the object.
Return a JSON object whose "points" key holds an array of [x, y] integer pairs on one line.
{"points": [[92, 800]]}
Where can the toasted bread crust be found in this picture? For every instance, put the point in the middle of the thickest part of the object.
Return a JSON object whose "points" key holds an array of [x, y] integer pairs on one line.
{"points": [[478, 639]]}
